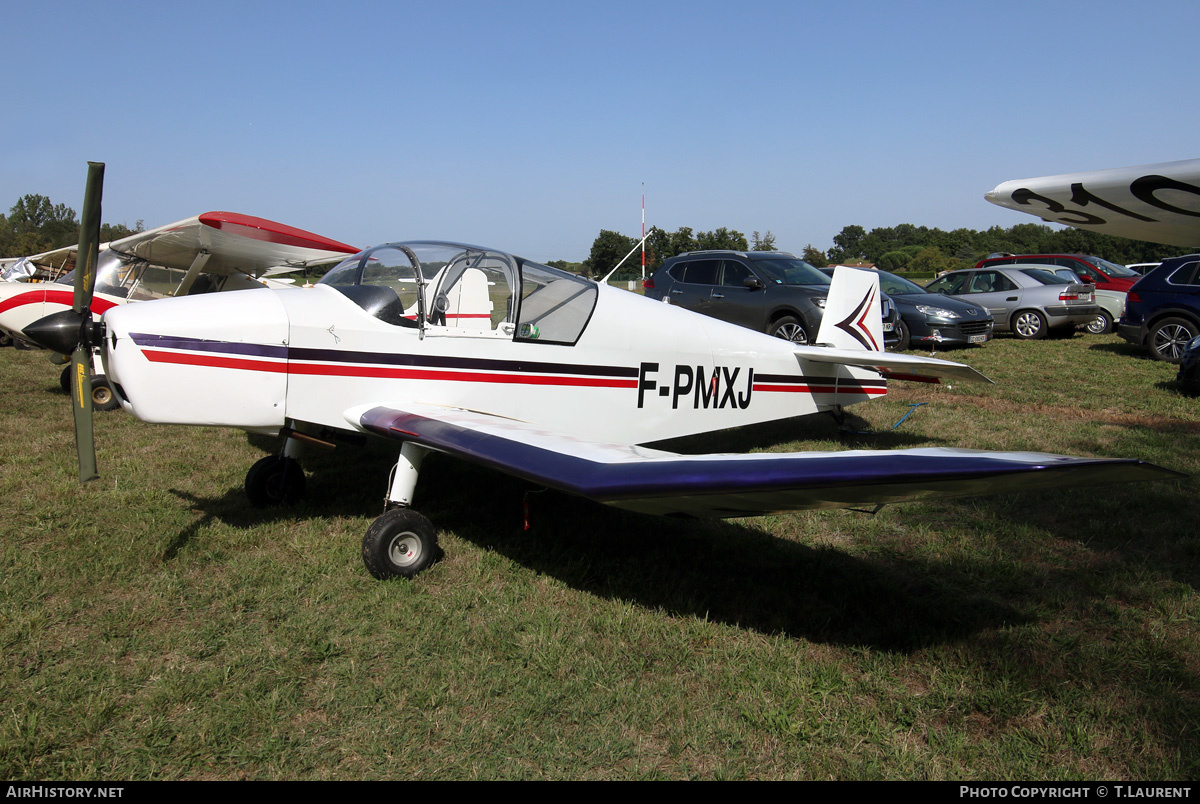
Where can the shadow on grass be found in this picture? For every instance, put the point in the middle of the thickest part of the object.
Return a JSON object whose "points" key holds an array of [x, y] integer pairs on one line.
{"points": [[1122, 348], [722, 571]]}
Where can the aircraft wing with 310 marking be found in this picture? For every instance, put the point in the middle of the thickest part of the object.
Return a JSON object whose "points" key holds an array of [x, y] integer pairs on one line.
{"points": [[1156, 203]]}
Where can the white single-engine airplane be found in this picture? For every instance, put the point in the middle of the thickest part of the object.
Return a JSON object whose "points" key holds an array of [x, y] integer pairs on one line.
{"points": [[559, 385], [205, 253], [1156, 203]]}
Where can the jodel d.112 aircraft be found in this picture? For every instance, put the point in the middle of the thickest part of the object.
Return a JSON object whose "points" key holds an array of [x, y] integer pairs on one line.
{"points": [[559, 383]]}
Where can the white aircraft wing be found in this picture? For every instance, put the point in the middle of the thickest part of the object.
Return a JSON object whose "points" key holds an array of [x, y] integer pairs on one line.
{"points": [[719, 485], [233, 242], [1157, 203]]}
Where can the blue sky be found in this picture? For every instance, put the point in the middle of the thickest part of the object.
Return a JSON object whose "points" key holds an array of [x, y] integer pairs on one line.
{"points": [[530, 126]]}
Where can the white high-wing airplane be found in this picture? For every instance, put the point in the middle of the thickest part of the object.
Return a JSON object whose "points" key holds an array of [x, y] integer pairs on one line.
{"points": [[1156, 203], [559, 384], [208, 252]]}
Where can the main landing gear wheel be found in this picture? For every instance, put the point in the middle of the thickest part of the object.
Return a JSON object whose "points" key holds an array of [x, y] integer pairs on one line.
{"points": [[399, 544], [274, 481], [64, 379]]}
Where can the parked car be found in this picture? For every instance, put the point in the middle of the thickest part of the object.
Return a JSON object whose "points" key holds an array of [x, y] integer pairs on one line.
{"points": [[1162, 311], [1112, 302], [932, 318], [1027, 300], [1142, 268], [1103, 274], [770, 291], [1189, 368]]}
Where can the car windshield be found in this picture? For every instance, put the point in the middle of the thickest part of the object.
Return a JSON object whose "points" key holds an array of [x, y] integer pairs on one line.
{"points": [[791, 272], [1111, 268], [897, 285], [1045, 277]]}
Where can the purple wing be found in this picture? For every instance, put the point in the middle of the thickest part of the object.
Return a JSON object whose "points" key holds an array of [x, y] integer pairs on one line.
{"points": [[656, 482]]}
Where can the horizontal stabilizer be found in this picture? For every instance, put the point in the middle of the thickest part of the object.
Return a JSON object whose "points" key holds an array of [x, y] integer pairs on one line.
{"points": [[657, 482], [893, 366]]}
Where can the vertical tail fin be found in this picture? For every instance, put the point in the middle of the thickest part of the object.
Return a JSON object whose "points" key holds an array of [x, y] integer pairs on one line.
{"points": [[853, 317]]}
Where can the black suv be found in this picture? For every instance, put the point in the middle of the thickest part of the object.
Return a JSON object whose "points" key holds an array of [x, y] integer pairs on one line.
{"points": [[1162, 310], [770, 291]]}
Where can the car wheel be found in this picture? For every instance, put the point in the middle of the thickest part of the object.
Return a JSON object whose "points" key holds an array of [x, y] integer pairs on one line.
{"points": [[903, 337], [1029, 325], [1101, 324], [1169, 337], [790, 329]]}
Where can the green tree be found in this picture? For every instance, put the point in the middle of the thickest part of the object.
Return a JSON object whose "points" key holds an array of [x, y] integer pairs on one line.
{"points": [[930, 259], [764, 242], [814, 257], [847, 244], [607, 250], [722, 239]]}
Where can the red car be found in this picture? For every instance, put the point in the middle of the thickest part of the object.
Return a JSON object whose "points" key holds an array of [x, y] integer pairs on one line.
{"points": [[1103, 274]]}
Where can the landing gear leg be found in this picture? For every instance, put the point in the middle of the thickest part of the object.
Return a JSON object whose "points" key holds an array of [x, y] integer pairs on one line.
{"points": [[401, 542]]}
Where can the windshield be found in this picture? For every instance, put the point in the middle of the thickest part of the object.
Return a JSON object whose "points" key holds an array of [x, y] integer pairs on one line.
{"points": [[1111, 268], [791, 272], [477, 290], [897, 285]]}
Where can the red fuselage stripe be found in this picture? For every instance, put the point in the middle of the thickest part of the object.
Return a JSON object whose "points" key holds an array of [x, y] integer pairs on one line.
{"points": [[334, 370], [340, 370], [64, 297]]}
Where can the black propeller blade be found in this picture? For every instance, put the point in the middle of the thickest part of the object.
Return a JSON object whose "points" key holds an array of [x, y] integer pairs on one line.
{"points": [[85, 286]]}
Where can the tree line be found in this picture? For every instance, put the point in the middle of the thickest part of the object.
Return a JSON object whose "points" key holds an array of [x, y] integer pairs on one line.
{"points": [[905, 247], [35, 224]]}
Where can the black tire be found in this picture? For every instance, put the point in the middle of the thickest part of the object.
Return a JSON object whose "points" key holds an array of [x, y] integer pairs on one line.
{"points": [[789, 328], [1029, 325], [5, 339], [903, 337], [103, 397], [274, 481], [1169, 337], [1101, 324], [399, 544], [64, 379]]}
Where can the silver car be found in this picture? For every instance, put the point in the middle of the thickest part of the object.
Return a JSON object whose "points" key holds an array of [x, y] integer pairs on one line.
{"points": [[1027, 300]]}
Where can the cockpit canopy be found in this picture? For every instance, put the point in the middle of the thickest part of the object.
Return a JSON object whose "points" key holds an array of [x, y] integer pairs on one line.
{"points": [[437, 284]]}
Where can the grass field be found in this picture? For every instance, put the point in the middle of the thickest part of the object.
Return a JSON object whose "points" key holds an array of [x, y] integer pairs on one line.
{"points": [[154, 626]]}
